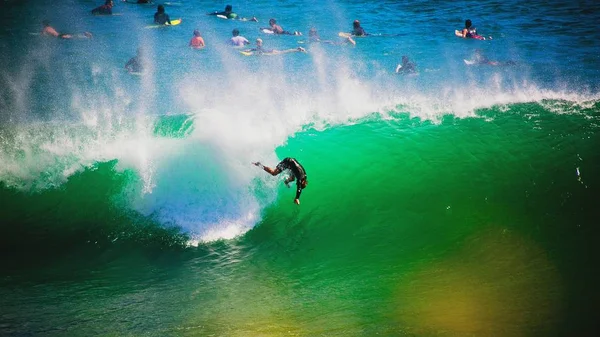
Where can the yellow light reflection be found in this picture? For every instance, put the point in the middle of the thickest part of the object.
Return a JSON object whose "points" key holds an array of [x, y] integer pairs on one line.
{"points": [[497, 283]]}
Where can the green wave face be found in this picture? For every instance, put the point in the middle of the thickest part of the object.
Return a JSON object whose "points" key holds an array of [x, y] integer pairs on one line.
{"points": [[467, 226]]}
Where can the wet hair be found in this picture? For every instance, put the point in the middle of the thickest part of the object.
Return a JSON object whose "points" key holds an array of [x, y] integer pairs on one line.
{"points": [[468, 23], [108, 2], [356, 23], [228, 8], [196, 32], [272, 21], [235, 32], [161, 9], [404, 59], [46, 23], [313, 32], [258, 40]]}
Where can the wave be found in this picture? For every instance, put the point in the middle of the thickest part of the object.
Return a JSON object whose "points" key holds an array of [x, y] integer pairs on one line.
{"points": [[190, 153], [175, 172]]}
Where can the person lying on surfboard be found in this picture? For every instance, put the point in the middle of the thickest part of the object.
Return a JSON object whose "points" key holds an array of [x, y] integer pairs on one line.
{"points": [[160, 17], [229, 14], [259, 50], [469, 31], [480, 59], [357, 30], [50, 31], [197, 41], [276, 29], [105, 9], [313, 36], [298, 174]]}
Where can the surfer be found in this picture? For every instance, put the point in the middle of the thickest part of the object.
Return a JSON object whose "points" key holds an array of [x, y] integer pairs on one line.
{"points": [[105, 9], [135, 64], [197, 41], [406, 67], [297, 171], [313, 36], [357, 30], [480, 59], [259, 50], [237, 40], [50, 31], [229, 14], [160, 17], [469, 31], [277, 29]]}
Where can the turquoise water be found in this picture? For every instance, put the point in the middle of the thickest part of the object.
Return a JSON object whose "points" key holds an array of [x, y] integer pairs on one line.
{"points": [[461, 201]]}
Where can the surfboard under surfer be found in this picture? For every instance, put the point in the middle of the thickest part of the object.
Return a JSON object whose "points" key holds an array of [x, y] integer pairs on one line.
{"points": [[298, 174]]}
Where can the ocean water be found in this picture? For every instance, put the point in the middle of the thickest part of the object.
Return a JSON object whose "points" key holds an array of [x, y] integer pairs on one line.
{"points": [[460, 201]]}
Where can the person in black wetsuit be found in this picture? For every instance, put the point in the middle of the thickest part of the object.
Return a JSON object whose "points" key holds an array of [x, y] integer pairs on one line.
{"points": [[105, 9], [298, 174], [228, 12], [136, 63], [357, 30], [160, 17], [407, 67]]}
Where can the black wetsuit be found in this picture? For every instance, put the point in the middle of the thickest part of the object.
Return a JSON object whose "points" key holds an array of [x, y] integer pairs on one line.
{"points": [[134, 65], [161, 18], [229, 15], [102, 10], [297, 170], [359, 31]]}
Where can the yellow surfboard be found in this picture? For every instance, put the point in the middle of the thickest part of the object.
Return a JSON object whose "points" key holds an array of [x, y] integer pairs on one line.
{"points": [[173, 23]]}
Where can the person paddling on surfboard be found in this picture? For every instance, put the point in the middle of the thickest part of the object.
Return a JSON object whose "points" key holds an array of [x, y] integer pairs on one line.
{"points": [[259, 50], [105, 9], [276, 29], [469, 31], [160, 17], [50, 31], [298, 174], [480, 59], [313, 36], [229, 14]]}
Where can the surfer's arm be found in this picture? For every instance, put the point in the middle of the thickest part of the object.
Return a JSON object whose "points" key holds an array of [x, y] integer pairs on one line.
{"points": [[298, 192], [267, 169]]}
